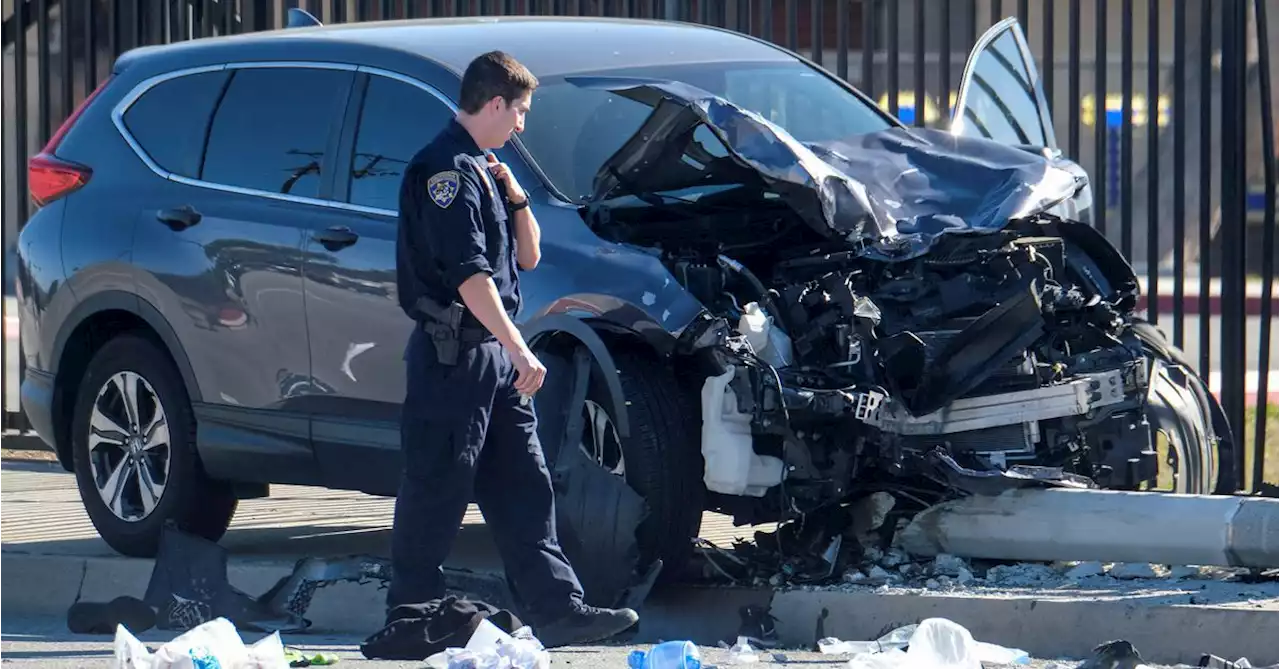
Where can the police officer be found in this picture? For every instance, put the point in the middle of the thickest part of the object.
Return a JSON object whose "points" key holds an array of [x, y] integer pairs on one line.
{"points": [[468, 424]]}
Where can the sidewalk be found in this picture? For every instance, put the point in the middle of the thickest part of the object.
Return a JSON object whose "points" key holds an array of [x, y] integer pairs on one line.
{"points": [[47, 537]]}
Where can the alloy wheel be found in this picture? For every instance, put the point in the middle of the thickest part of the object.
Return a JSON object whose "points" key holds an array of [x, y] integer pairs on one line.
{"points": [[129, 452]]}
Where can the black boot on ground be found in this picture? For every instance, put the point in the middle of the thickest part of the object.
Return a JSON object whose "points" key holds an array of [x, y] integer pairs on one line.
{"points": [[586, 624]]}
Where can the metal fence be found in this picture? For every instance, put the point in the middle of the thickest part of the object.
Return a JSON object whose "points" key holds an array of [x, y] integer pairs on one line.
{"points": [[1168, 103]]}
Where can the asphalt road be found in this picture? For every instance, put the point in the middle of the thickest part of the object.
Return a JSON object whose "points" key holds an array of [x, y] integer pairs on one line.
{"points": [[45, 644]]}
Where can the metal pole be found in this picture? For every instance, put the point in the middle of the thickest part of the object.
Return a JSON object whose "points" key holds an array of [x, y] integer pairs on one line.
{"points": [[1109, 526]]}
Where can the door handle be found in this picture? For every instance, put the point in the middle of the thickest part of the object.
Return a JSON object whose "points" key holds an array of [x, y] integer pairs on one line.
{"points": [[336, 238], [179, 218]]}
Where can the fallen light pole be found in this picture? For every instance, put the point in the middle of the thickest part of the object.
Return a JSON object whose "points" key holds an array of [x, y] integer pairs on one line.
{"points": [[1044, 525]]}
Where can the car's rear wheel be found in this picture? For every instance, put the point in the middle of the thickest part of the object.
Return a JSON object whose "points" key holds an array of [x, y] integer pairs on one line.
{"points": [[133, 446]]}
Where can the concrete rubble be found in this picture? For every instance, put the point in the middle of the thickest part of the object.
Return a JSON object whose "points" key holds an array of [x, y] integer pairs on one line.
{"points": [[872, 556]]}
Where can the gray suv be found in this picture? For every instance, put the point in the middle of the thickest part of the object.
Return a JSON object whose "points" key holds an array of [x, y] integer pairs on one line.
{"points": [[759, 294]]}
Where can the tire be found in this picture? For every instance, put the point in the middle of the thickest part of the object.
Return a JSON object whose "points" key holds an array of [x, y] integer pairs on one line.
{"points": [[182, 493], [661, 459], [1193, 423], [663, 456]]}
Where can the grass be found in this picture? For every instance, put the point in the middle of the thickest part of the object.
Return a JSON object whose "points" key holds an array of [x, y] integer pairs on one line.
{"points": [[1270, 464]]}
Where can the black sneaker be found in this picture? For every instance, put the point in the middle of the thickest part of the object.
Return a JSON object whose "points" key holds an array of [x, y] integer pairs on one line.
{"points": [[586, 624]]}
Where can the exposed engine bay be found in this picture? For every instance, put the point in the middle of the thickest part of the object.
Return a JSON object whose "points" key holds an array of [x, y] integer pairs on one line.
{"points": [[926, 324], [833, 369]]}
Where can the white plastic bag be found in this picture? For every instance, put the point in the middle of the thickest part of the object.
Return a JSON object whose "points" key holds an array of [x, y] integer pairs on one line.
{"points": [[492, 648], [936, 643], [213, 645]]}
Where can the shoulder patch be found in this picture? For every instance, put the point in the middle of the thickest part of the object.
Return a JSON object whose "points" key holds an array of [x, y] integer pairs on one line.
{"points": [[443, 188]]}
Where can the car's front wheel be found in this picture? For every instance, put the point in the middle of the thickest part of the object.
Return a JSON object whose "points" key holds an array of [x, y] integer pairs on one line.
{"points": [[659, 461], [133, 446]]}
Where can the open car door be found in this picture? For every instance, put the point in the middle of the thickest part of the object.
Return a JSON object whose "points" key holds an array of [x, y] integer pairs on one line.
{"points": [[1001, 96]]}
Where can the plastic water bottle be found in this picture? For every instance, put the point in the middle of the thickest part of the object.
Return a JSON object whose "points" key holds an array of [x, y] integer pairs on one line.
{"points": [[666, 655]]}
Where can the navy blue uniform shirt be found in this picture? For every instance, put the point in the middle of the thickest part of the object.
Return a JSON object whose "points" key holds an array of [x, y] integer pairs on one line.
{"points": [[453, 223]]}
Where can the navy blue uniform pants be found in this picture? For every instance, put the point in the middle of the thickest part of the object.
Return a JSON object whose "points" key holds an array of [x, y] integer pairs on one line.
{"points": [[465, 435]]}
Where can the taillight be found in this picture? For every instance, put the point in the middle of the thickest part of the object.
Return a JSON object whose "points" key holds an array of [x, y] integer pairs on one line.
{"points": [[50, 177]]}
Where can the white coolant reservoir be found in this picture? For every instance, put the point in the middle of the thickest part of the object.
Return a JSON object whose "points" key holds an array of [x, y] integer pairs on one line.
{"points": [[732, 465], [766, 339]]}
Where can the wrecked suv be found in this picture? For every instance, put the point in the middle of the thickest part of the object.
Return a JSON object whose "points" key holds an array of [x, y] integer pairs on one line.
{"points": [[758, 293]]}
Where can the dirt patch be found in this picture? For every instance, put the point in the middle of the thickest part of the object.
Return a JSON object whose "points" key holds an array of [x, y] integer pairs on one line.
{"points": [[27, 455]]}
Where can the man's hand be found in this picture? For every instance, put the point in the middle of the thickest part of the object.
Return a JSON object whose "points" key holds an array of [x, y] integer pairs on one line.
{"points": [[530, 372], [503, 175], [481, 297]]}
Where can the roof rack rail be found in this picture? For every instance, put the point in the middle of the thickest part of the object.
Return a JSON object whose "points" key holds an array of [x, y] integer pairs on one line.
{"points": [[301, 18]]}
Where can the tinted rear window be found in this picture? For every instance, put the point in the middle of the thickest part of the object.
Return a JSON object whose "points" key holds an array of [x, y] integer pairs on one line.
{"points": [[170, 120], [398, 119], [272, 128]]}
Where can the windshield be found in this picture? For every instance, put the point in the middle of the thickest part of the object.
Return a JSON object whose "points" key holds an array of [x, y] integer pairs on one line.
{"points": [[571, 131]]}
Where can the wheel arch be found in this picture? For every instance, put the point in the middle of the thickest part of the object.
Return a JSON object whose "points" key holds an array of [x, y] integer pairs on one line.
{"points": [[592, 336], [87, 328]]}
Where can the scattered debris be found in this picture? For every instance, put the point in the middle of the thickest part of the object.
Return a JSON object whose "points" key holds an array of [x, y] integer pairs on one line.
{"points": [[189, 586], [1215, 662], [742, 652], [212, 644], [1114, 655], [799, 556], [415, 632], [297, 658], [758, 626], [105, 617], [1131, 570], [1085, 570], [934, 643], [490, 646], [666, 655]]}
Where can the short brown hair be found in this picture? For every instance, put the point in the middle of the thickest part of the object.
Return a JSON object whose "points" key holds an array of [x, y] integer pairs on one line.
{"points": [[494, 74]]}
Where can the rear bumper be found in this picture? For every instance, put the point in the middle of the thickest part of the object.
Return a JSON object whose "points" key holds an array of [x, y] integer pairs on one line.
{"points": [[37, 403]]}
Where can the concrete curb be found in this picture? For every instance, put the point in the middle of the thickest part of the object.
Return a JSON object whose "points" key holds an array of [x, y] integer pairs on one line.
{"points": [[46, 585]]}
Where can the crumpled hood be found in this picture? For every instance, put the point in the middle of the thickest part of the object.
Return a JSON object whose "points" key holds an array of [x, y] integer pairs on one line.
{"points": [[893, 191]]}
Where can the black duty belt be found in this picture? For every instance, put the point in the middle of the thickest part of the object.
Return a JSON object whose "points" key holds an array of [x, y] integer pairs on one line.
{"points": [[465, 335]]}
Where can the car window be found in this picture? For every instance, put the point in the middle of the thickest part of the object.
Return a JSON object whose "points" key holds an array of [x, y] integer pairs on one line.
{"points": [[397, 120], [1001, 101], [272, 128], [571, 131], [170, 120]]}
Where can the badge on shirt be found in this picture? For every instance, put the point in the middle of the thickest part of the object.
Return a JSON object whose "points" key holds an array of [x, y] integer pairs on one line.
{"points": [[443, 187]]}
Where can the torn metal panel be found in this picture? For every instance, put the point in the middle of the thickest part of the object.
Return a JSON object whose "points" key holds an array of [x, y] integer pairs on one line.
{"points": [[995, 481], [597, 513], [598, 510], [189, 587], [293, 593]]}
